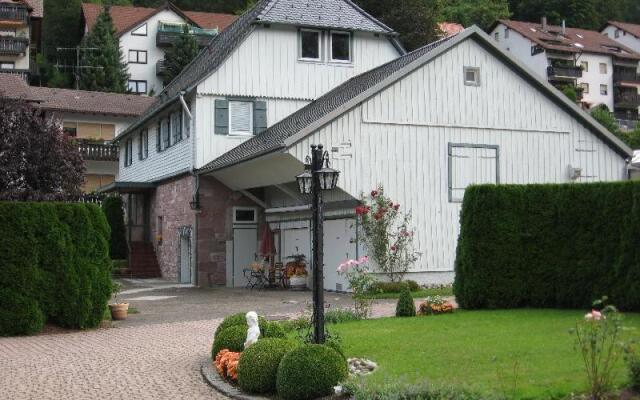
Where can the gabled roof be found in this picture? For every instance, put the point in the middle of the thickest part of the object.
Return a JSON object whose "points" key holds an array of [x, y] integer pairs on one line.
{"points": [[126, 18], [13, 87], [220, 47], [358, 89], [633, 29], [572, 41]]}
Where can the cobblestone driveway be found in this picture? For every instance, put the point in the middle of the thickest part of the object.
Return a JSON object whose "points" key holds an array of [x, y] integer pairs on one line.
{"points": [[158, 361]]}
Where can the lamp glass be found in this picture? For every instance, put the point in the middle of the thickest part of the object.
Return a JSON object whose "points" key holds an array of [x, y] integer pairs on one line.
{"points": [[304, 182], [328, 178]]}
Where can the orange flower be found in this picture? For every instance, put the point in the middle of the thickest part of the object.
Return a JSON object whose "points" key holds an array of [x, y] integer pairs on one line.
{"points": [[227, 364]]}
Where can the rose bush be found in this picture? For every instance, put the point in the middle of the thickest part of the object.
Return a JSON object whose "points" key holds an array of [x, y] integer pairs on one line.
{"points": [[361, 282]]}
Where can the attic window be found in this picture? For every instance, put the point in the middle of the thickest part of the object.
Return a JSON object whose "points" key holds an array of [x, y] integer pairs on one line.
{"points": [[310, 45], [340, 46], [472, 76], [140, 31]]}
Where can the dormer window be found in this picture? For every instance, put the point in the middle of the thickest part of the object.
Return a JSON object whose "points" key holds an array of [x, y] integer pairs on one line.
{"points": [[140, 31], [340, 46], [310, 44]]}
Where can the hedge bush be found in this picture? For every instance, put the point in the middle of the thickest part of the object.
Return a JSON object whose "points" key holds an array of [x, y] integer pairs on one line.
{"points": [[232, 338], [310, 371], [273, 330], [55, 266], [258, 364], [394, 287], [113, 210], [556, 246], [239, 319], [405, 307]]}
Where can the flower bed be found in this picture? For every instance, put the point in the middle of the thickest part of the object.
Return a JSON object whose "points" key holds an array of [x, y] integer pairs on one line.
{"points": [[434, 305]]}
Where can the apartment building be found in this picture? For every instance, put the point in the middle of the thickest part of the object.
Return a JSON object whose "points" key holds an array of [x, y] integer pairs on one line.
{"points": [[20, 36]]}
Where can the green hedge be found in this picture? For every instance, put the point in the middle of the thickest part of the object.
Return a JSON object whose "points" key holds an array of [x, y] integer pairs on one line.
{"points": [[558, 246], [55, 266], [113, 210]]}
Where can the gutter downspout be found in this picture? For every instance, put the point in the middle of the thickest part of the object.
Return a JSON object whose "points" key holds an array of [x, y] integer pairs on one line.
{"points": [[196, 192]]}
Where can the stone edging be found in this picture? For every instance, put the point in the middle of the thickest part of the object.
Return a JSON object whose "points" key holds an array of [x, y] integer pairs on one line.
{"points": [[210, 375]]}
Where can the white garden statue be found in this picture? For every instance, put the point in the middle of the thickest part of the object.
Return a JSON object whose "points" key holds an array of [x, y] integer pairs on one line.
{"points": [[253, 333]]}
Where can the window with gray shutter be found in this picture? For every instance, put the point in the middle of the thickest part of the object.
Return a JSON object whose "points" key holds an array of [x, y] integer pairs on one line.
{"points": [[221, 117], [240, 118], [471, 164], [259, 117]]}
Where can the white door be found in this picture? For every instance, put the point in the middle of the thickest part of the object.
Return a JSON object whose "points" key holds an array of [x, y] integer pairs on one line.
{"points": [[296, 241], [339, 246], [245, 244], [185, 259]]}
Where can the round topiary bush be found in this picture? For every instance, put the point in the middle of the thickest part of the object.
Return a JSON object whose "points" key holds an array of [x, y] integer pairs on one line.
{"points": [[272, 330], [239, 319], [231, 338], [405, 307], [258, 365], [310, 371]]}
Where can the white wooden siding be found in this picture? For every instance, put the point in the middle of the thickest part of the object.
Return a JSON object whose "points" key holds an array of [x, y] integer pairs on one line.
{"points": [[400, 138]]}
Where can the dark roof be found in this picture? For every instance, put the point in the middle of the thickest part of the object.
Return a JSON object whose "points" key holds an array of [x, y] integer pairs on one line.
{"points": [[633, 29], [338, 14], [211, 57], [274, 137], [572, 41], [76, 101]]}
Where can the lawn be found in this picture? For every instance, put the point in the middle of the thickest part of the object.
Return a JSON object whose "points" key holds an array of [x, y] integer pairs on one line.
{"points": [[517, 353], [446, 291]]}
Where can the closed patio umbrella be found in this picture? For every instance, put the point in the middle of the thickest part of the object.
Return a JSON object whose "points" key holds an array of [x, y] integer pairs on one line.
{"points": [[267, 247]]}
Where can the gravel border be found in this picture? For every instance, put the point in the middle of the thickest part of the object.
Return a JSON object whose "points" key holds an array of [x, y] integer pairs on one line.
{"points": [[212, 377]]}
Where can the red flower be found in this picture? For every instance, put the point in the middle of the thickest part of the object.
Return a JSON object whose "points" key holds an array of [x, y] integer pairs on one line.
{"points": [[374, 193], [377, 216], [396, 207], [383, 210], [394, 248], [361, 210], [391, 204]]}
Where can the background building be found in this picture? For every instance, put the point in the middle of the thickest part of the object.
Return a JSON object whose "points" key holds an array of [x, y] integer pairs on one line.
{"points": [[20, 36]]}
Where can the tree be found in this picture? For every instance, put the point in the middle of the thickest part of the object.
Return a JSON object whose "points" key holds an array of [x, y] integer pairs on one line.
{"points": [[475, 12], [61, 26], [113, 210], [38, 161], [415, 20], [180, 55], [108, 72]]}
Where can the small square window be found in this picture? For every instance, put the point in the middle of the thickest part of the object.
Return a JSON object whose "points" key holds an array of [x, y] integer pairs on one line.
{"points": [[310, 44], [137, 56], [240, 118], [585, 66], [604, 90], [497, 36], [585, 88], [341, 46], [245, 215], [603, 68], [617, 33], [506, 33], [472, 76]]}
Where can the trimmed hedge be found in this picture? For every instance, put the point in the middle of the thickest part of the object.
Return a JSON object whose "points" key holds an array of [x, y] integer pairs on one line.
{"points": [[55, 266], [239, 319], [258, 364], [556, 246], [394, 287], [231, 338], [310, 371], [113, 210]]}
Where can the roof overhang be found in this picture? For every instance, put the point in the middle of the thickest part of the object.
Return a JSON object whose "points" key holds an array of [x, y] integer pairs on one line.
{"points": [[127, 187]]}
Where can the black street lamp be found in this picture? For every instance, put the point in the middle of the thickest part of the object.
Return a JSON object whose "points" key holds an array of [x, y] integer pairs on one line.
{"points": [[317, 176]]}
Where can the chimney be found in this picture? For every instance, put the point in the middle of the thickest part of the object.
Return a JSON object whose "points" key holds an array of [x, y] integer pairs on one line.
{"points": [[544, 24]]}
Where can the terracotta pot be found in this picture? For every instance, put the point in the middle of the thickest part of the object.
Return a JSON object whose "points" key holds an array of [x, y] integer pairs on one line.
{"points": [[119, 311]]}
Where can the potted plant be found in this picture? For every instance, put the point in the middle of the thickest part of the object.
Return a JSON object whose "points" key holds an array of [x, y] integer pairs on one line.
{"points": [[119, 311], [297, 271]]}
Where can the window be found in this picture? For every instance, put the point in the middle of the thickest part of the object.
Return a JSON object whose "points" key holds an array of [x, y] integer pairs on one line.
{"points": [[176, 127], [139, 87], [159, 137], [7, 65], [143, 145], [604, 90], [603, 68], [497, 36], [472, 76], [617, 33], [506, 33], [471, 164], [140, 31], [310, 45], [585, 88], [186, 125], [70, 129], [340, 46], [137, 56], [245, 215], [166, 137], [585, 66], [240, 118], [128, 152]]}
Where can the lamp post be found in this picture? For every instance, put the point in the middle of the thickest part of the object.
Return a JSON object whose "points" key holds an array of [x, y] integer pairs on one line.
{"points": [[317, 176]]}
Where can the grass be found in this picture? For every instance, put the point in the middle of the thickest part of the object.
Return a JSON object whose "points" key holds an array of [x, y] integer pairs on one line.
{"points": [[522, 354], [446, 291]]}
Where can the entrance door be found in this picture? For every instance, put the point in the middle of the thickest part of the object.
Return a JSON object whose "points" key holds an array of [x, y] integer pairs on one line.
{"points": [[245, 244], [185, 259], [339, 246]]}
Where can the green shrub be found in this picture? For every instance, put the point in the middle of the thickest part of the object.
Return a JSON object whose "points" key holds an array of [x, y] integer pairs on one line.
{"points": [[239, 319], [633, 365], [231, 338], [549, 246], [339, 315], [310, 371], [359, 389], [395, 287], [405, 306], [113, 210], [258, 364], [55, 257], [272, 330]]}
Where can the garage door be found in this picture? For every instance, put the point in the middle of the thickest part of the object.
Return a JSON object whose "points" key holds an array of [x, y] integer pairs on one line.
{"points": [[339, 246]]}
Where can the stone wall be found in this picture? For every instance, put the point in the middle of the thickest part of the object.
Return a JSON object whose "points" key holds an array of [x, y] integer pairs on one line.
{"points": [[171, 202]]}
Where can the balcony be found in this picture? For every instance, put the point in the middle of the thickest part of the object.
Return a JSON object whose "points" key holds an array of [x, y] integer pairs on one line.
{"points": [[23, 73], [97, 151], [626, 100], [565, 72], [161, 69], [13, 45], [626, 75], [169, 33], [13, 14]]}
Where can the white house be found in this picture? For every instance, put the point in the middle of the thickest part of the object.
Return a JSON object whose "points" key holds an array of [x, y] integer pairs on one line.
{"points": [[20, 36], [624, 33], [425, 125], [146, 33], [598, 64]]}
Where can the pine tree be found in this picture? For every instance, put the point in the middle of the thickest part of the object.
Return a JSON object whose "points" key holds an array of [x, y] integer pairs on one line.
{"points": [[405, 306], [184, 50], [108, 72]]}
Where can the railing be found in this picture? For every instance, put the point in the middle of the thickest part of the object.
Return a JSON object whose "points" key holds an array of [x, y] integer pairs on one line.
{"points": [[629, 75], [626, 100], [626, 124], [14, 13], [169, 33], [160, 68], [13, 45], [23, 73], [98, 151], [564, 71]]}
